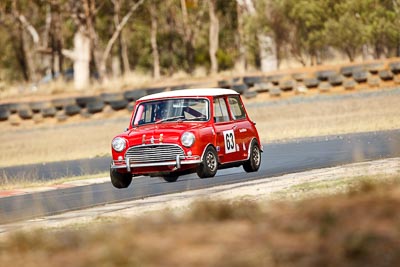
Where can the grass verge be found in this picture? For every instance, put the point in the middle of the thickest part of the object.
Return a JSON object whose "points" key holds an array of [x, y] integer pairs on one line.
{"points": [[356, 228]]}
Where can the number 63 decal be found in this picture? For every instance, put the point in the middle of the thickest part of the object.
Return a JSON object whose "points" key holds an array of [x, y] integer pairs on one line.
{"points": [[230, 143]]}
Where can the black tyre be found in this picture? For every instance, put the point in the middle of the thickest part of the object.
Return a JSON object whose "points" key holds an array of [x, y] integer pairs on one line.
{"points": [[251, 80], [386, 75], [324, 75], [110, 97], [287, 85], [395, 67], [240, 88], [49, 112], [36, 107], [95, 107], [86, 100], [60, 103], [208, 168], [118, 104], [335, 80], [120, 180], [360, 76], [170, 178], [311, 82], [254, 161], [72, 110], [4, 114], [25, 114], [300, 76], [133, 95], [155, 90]]}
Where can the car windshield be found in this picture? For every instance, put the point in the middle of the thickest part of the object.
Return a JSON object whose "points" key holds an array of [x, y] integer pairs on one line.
{"points": [[182, 109]]}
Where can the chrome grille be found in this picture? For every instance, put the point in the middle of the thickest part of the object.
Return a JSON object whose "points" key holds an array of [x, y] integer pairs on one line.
{"points": [[153, 153]]}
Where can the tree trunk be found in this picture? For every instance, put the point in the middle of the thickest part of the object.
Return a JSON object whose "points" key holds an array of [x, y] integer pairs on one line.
{"points": [[81, 59], [114, 37], [268, 58], [240, 64], [123, 50], [188, 37], [213, 36], [266, 43], [56, 39], [154, 46]]}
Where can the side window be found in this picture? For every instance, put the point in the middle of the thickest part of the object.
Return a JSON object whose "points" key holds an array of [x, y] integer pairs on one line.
{"points": [[220, 110], [236, 108]]}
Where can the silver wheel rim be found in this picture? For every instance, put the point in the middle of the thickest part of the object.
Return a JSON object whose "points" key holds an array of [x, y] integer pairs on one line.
{"points": [[211, 161], [256, 156]]}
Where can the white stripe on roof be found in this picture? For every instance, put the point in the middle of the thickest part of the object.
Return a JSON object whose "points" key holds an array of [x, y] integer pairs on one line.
{"points": [[192, 93]]}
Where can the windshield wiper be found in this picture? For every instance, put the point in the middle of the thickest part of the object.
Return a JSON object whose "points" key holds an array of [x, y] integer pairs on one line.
{"points": [[171, 119]]}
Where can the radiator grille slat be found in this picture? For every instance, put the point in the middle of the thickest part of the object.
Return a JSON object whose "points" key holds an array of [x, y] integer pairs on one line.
{"points": [[153, 153]]}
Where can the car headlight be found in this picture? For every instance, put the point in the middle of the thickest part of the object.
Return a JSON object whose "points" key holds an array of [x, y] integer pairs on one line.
{"points": [[118, 144], [187, 139]]}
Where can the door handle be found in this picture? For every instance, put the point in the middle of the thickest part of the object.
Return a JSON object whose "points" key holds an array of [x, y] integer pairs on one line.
{"points": [[234, 127]]}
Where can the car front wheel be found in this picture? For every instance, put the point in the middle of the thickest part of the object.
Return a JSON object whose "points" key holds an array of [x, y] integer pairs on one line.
{"points": [[254, 161], [170, 178], [208, 168], [120, 180]]}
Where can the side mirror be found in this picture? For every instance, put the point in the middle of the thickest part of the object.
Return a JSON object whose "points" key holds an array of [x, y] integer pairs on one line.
{"points": [[126, 129]]}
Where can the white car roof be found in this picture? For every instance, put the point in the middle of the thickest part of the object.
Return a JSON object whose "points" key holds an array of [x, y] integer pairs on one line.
{"points": [[192, 93]]}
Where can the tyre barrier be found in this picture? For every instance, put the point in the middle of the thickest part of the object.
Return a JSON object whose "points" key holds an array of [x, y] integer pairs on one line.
{"points": [[262, 87], [95, 107], [360, 76], [240, 88], [386, 75], [4, 114], [155, 90], [287, 85], [133, 95], [311, 82], [374, 68], [25, 113], [300, 76], [61, 103], [110, 97], [335, 80], [395, 67], [348, 71], [72, 110], [252, 80], [275, 78], [348, 77], [324, 87], [324, 75], [118, 104], [49, 112]]}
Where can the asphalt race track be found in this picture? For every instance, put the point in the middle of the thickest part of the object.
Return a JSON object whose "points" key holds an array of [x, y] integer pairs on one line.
{"points": [[277, 159]]}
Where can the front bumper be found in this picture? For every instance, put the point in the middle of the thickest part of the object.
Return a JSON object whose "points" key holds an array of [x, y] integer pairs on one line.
{"points": [[176, 164]]}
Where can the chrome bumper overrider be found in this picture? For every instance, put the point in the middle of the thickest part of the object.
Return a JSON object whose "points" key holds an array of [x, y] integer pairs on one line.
{"points": [[180, 160]]}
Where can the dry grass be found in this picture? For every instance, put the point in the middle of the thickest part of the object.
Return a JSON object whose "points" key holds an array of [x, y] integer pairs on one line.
{"points": [[35, 143], [327, 117], [360, 228]]}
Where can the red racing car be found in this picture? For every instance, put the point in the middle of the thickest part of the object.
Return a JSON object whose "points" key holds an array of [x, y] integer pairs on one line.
{"points": [[180, 132]]}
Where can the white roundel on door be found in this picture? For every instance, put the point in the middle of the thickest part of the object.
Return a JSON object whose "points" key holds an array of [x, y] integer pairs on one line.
{"points": [[230, 142]]}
